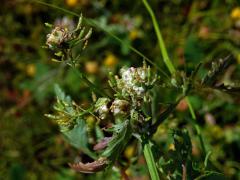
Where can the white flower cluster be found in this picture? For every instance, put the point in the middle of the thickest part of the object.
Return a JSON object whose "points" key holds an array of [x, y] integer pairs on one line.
{"points": [[133, 81], [131, 88]]}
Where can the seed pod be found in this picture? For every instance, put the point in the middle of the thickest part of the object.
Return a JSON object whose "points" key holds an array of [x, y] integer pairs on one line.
{"points": [[57, 37], [120, 108]]}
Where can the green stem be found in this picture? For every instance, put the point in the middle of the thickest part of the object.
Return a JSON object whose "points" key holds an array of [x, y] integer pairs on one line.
{"points": [[165, 56], [191, 109], [196, 126], [150, 161], [171, 68], [98, 26], [92, 86]]}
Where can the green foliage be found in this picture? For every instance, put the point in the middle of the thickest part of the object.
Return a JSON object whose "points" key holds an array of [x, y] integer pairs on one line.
{"points": [[183, 146], [66, 114], [131, 92], [121, 134], [216, 69], [141, 112], [179, 160], [71, 122], [78, 138], [211, 176]]}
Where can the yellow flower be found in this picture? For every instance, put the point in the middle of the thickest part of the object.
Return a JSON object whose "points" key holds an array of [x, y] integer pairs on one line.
{"points": [[204, 32], [30, 70], [128, 172], [110, 60], [71, 3], [172, 147], [91, 67], [217, 131], [235, 14], [134, 34], [129, 151]]}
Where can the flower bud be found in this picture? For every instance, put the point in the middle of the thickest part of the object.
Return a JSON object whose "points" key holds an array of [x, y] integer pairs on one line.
{"points": [[120, 107], [102, 107], [57, 37]]}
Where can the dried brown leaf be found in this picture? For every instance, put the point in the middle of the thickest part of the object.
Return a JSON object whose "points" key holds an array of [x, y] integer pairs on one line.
{"points": [[92, 167]]}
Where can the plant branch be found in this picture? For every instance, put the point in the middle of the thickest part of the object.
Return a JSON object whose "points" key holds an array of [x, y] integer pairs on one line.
{"points": [[147, 151], [163, 49], [93, 23], [172, 69], [93, 87]]}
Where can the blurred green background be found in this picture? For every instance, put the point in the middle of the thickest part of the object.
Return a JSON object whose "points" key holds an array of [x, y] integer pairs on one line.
{"points": [[31, 146]]}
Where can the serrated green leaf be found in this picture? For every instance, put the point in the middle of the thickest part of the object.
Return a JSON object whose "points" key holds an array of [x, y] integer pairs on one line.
{"points": [[99, 133], [182, 144], [59, 93], [77, 137], [121, 136]]}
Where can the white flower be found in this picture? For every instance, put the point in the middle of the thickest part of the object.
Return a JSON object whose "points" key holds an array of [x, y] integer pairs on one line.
{"points": [[139, 90], [142, 72], [133, 81], [127, 75], [102, 107]]}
